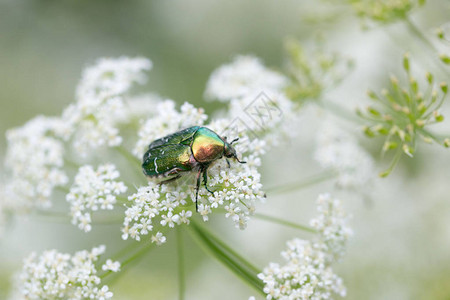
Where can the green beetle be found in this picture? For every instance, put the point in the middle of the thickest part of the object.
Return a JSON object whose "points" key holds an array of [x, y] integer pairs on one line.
{"points": [[190, 149]]}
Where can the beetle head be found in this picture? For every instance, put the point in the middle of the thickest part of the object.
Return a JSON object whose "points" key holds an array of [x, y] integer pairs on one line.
{"points": [[230, 152]]}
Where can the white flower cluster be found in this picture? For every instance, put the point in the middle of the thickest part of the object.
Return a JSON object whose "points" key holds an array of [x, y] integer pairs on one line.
{"points": [[305, 276], [245, 75], [308, 273], [332, 225], [100, 101], [35, 154], [154, 202], [236, 189], [270, 116], [35, 158], [258, 106], [167, 120], [55, 275], [93, 190], [338, 150]]}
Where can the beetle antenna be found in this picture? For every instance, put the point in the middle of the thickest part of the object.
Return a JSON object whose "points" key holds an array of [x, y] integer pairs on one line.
{"points": [[235, 140], [241, 162]]}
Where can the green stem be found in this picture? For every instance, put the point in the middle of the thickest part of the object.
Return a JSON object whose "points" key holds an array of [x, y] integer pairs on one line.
{"points": [[394, 163], [71, 163], [128, 156], [63, 189], [138, 254], [339, 111], [418, 33], [125, 250], [122, 199], [52, 216], [284, 222], [426, 42], [293, 186], [127, 262], [227, 248], [235, 264], [181, 278], [64, 217]]}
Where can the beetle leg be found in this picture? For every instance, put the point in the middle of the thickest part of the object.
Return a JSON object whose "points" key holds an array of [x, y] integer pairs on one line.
{"points": [[170, 179], [228, 163], [198, 186], [205, 180]]}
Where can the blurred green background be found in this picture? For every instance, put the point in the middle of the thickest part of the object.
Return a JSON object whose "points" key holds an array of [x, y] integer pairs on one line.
{"points": [[400, 249]]}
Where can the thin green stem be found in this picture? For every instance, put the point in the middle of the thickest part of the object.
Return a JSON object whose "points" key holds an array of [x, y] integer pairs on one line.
{"points": [[227, 248], [126, 250], [394, 163], [210, 246], [71, 163], [138, 254], [52, 216], [339, 111], [122, 199], [132, 259], [63, 217], [128, 156], [426, 42], [418, 33], [284, 222], [297, 185], [63, 189], [181, 278]]}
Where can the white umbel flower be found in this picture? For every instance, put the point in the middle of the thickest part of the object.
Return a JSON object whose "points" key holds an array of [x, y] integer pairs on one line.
{"points": [[236, 189], [338, 150], [305, 275], [100, 102], [35, 158], [332, 225], [112, 77], [55, 275], [93, 190], [245, 76]]}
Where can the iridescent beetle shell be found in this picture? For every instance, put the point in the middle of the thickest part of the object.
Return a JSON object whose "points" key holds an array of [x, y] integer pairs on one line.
{"points": [[190, 149]]}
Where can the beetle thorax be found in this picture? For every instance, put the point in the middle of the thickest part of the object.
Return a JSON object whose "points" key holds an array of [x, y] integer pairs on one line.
{"points": [[207, 149]]}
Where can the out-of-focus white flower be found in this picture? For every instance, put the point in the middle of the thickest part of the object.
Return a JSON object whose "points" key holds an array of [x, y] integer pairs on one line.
{"points": [[113, 266], [305, 275], [268, 116], [338, 150], [93, 190], [167, 120], [100, 101], [11, 204], [112, 76], [137, 108], [332, 225], [55, 275], [245, 76], [35, 158]]}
